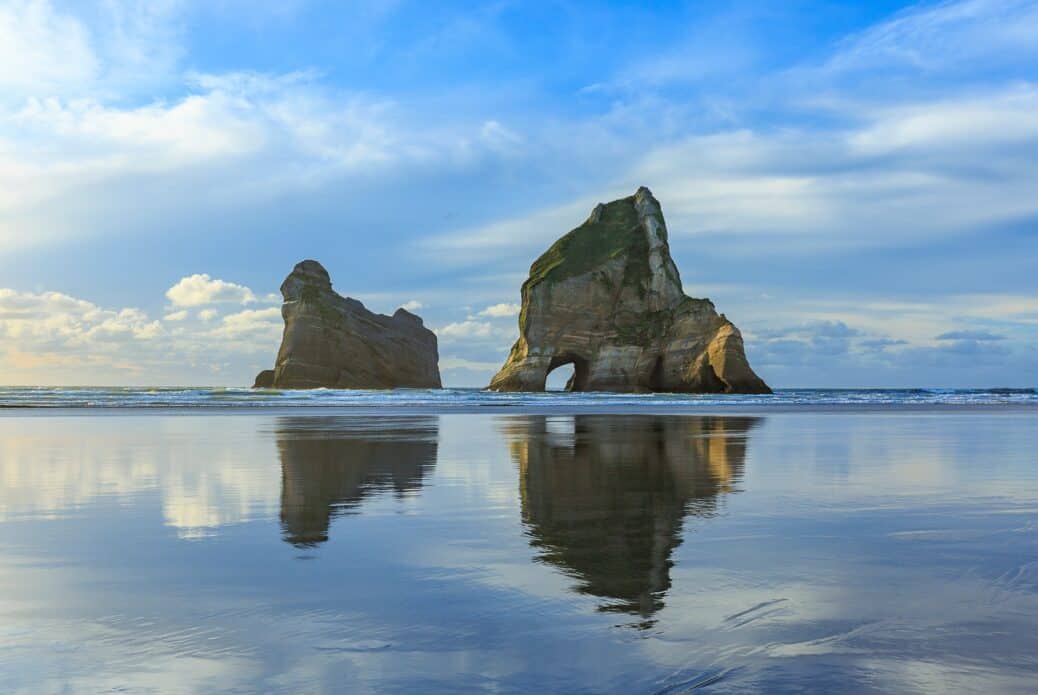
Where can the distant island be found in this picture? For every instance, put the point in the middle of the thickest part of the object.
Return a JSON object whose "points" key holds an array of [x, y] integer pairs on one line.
{"points": [[606, 298]]}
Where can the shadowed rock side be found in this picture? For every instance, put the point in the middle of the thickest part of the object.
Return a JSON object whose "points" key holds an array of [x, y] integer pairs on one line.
{"points": [[330, 465], [334, 342], [607, 298], [606, 504]]}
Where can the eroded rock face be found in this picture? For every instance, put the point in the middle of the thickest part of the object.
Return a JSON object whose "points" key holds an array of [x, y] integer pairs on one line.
{"points": [[607, 298], [334, 342]]}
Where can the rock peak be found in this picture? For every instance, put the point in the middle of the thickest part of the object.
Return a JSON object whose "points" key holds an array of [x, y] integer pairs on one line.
{"points": [[306, 274]]}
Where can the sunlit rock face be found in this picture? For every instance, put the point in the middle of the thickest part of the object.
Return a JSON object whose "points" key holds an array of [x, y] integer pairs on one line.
{"points": [[332, 341], [607, 505], [330, 465], [607, 298]]}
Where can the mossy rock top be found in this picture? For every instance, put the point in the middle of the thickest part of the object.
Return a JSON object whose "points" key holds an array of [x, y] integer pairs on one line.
{"points": [[613, 230]]}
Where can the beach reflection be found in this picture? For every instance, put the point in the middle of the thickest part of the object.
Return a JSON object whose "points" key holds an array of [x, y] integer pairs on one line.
{"points": [[605, 499], [329, 465]]}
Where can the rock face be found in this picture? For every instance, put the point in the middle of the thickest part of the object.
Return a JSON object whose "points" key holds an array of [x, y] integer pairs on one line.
{"points": [[607, 298], [334, 342]]}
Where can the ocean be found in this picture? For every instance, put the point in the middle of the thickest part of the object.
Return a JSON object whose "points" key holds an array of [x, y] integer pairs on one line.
{"points": [[470, 399], [226, 540]]}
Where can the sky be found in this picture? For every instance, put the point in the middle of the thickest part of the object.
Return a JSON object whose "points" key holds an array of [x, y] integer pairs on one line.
{"points": [[855, 185]]}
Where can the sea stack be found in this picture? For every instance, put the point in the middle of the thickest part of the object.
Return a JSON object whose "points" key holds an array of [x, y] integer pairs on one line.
{"points": [[334, 342], [608, 299]]}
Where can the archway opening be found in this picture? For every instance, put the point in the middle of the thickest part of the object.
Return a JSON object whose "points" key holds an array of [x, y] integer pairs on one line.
{"points": [[656, 377], [558, 379], [567, 373]]}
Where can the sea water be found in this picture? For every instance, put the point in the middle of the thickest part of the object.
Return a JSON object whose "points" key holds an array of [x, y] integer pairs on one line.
{"points": [[525, 546], [467, 399]]}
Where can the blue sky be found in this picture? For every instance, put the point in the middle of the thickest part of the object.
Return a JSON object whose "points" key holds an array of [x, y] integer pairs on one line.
{"points": [[854, 184]]}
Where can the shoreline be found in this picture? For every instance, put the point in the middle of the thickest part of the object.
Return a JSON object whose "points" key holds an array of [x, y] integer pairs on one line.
{"points": [[523, 409]]}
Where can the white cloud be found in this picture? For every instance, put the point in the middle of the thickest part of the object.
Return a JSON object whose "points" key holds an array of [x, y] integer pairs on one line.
{"points": [[51, 337], [200, 289], [502, 310], [476, 331], [234, 140], [250, 322], [448, 362], [513, 237], [499, 138], [943, 35], [892, 174], [466, 329], [413, 305], [42, 50], [50, 331], [963, 124]]}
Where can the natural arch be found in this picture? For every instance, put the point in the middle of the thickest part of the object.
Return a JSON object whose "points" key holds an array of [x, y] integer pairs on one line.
{"points": [[577, 382], [656, 382]]}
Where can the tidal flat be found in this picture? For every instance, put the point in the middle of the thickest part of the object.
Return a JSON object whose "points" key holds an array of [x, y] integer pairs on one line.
{"points": [[819, 551]]}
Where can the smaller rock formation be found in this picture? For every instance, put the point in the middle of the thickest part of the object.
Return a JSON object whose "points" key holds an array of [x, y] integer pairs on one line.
{"points": [[332, 341], [607, 298]]}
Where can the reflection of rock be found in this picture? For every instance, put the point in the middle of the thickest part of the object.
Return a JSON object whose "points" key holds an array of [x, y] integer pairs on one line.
{"points": [[604, 498], [333, 341], [330, 464], [607, 298]]}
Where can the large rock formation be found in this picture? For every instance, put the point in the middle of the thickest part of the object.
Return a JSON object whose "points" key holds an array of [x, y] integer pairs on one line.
{"points": [[607, 298], [333, 341]]}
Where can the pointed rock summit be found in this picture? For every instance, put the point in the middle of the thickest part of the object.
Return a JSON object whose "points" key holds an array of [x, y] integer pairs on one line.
{"points": [[607, 298], [334, 342]]}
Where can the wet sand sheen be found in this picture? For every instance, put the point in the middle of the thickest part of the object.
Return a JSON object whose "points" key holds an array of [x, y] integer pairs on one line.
{"points": [[776, 551]]}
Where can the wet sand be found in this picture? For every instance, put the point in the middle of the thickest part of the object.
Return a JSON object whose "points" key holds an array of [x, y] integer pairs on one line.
{"points": [[393, 550]]}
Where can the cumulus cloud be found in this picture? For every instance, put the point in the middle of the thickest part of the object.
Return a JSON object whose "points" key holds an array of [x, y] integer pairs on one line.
{"points": [[200, 289], [52, 331], [51, 337], [465, 329], [413, 305], [477, 333], [503, 310], [251, 322]]}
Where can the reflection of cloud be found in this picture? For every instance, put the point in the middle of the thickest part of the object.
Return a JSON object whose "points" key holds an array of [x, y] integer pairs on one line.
{"points": [[200, 493]]}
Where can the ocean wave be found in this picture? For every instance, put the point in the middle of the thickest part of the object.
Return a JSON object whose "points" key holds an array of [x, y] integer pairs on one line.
{"points": [[468, 398]]}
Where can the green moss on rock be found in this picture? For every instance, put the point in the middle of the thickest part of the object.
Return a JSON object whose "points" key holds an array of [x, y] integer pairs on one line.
{"points": [[615, 232]]}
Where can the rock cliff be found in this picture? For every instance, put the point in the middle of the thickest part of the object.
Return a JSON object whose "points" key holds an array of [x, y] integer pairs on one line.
{"points": [[333, 341], [608, 299]]}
